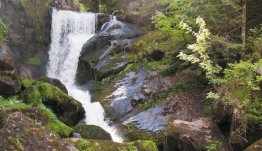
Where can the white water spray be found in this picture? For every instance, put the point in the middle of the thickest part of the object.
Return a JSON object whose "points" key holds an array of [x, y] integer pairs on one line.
{"points": [[70, 31]]}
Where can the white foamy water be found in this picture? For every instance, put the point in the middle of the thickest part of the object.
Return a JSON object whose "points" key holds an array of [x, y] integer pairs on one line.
{"points": [[70, 31]]}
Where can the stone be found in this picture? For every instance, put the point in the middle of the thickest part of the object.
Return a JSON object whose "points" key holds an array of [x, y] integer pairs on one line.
{"points": [[92, 132], [23, 134], [6, 58], [10, 84], [192, 136], [68, 110]]}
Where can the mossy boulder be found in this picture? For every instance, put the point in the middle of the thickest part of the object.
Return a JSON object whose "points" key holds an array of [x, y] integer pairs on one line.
{"points": [[92, 132], [20, 133], [55, 82], [95, 145], [68, 110]]}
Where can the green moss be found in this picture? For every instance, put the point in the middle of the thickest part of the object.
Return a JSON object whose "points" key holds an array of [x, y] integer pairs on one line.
{"points": [[65, 107], [3, 31], [59, 128], [145, 145], [92, 132], [92, 145], [26, 83], [15, 143], [34, 61]]}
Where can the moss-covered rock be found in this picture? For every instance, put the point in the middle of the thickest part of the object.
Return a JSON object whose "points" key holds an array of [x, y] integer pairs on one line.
{"points": [[21, 133], [92, 132], [94, 145], [55, 82], [68, 110]]}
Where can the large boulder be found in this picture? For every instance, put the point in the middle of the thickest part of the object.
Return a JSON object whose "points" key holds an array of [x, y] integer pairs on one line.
{"points": [[6, 58], [68, 110], [104, 54], [193, 136], [23, 134], [92, 132]]}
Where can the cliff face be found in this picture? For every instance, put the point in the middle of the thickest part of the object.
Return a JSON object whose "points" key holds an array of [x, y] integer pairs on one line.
{"points": [[29, 25]]}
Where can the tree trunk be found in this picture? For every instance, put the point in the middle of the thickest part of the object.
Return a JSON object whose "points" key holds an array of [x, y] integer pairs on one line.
{"points": [[244, 22]]}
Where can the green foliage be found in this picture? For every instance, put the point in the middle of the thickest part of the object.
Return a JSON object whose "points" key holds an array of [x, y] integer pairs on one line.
{"points": [[188, 10], [254, 43], [241, 89], [215, 146], [3, 31], [199, 51], [34, 61], [26, 83]]}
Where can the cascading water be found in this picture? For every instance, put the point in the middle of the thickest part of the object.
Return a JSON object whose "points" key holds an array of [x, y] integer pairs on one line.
{"points": [[70, 31], [112, 22]]}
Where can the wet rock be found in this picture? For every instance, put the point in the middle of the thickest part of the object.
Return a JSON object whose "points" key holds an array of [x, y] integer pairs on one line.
{"points": [[192, 136], [104, 54], [76, 135], [21, 133], [92, 132], [151, 120], [68, 110], [126, 89], [257, 146], [6, 58], [101, 20], [55, 82]]}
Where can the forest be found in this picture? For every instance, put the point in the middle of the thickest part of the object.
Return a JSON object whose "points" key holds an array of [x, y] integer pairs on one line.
{"points": [[131, 75]]}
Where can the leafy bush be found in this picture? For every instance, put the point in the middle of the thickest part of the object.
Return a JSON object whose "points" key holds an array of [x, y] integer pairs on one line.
{"points": [[215, 146], [241, 89]]}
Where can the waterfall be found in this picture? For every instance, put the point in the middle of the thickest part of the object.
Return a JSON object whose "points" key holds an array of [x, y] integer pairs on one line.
{"points": [[113, 22], [70, 31]]}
